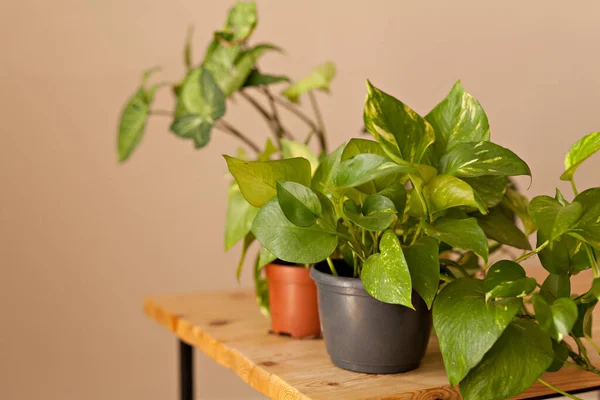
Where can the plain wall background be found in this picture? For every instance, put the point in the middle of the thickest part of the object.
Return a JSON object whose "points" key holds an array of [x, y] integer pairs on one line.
{"points": [[83, 240]]}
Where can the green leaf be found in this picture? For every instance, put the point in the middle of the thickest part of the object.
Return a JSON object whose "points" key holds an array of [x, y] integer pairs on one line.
{"points": [[265, 257], [269, 151], [552, 218], [363, 168], [513, 364], [132, 124], [556, 286], [517, 203], [503, 230], [403, 134], [588, 226], [300, 205], [241, 20], [397, 194], [231, 66], [567, 255], [467, 326], [261, 287], [459, 118], [482, 158], [579, 152], [377, 213], [424, 266], [293, 149], [290, 242], [322, 180], [258, 179], [507, 279], [192, 126], [460, 233], [561, 353], [385, 275], [256, 78], [560, 198], [583, 325], [248, 240], [201, 95], [240, 215], [362, 146], [319, 79], [557, 318], [491, 189], [446, 191]]}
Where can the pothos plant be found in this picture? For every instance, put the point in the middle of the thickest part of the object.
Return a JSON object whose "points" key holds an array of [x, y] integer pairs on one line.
{"points": [[230, 69], [422, 208]]}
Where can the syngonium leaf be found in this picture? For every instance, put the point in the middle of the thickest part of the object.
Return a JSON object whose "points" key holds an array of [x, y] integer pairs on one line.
{"points": [[377, 213], [319, 79], [291, 149], [134, 117], [424, 266], [507, 279], [240, 215], [258, 179], [497, 226], [482, 158], [248, 240], [300, 204], [579, 152], [292, 243], [459, 233], [557, 317], [256, 78], [265, 257], [517, 359], [402, 133], [363, 168], [385, 275], [446, 191], [241, 20], [588, 226], [467, 326], [552, 218], [459, 118], [200, 104]]}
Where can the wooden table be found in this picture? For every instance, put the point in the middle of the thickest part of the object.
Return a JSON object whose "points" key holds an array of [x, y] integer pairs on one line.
{"points": [[228, 327]]}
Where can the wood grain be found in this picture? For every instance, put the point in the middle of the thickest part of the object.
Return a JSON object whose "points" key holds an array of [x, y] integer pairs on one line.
{"points": [[228, 327]]}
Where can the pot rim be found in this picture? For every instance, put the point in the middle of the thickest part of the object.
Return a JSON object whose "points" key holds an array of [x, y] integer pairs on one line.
{"points": [[323, 278]]}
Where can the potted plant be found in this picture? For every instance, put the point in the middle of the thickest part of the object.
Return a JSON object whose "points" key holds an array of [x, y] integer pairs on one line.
{"points": [[386, 221], [229, 69], [500, 332]]}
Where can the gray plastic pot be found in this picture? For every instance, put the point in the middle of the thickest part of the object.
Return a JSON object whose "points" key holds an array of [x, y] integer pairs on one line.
{"points": [[363, 334]]}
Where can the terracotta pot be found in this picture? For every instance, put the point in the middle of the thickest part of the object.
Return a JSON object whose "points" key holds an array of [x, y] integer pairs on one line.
{"points": [[293, 301]]}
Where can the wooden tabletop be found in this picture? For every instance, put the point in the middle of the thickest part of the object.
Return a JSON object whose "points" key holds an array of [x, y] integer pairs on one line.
{"points": [[228, 327]]}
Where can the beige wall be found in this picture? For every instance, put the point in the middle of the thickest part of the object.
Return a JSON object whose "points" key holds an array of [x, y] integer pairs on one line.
{"points": [[83, 240]]}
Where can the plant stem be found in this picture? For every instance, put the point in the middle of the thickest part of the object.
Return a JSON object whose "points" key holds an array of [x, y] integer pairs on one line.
{"points": [[268, 117], [275, 114], [455, 265], [297, 112], [165, 113], [320, 122], [331, 266], [575, 192], [557, 390], [592, 259], [533, 252], [417, 233], [226, 127], [590, 341]]}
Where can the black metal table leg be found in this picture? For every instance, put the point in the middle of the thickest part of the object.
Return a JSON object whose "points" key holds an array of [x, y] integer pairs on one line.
{"points": [[186, 371]]}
